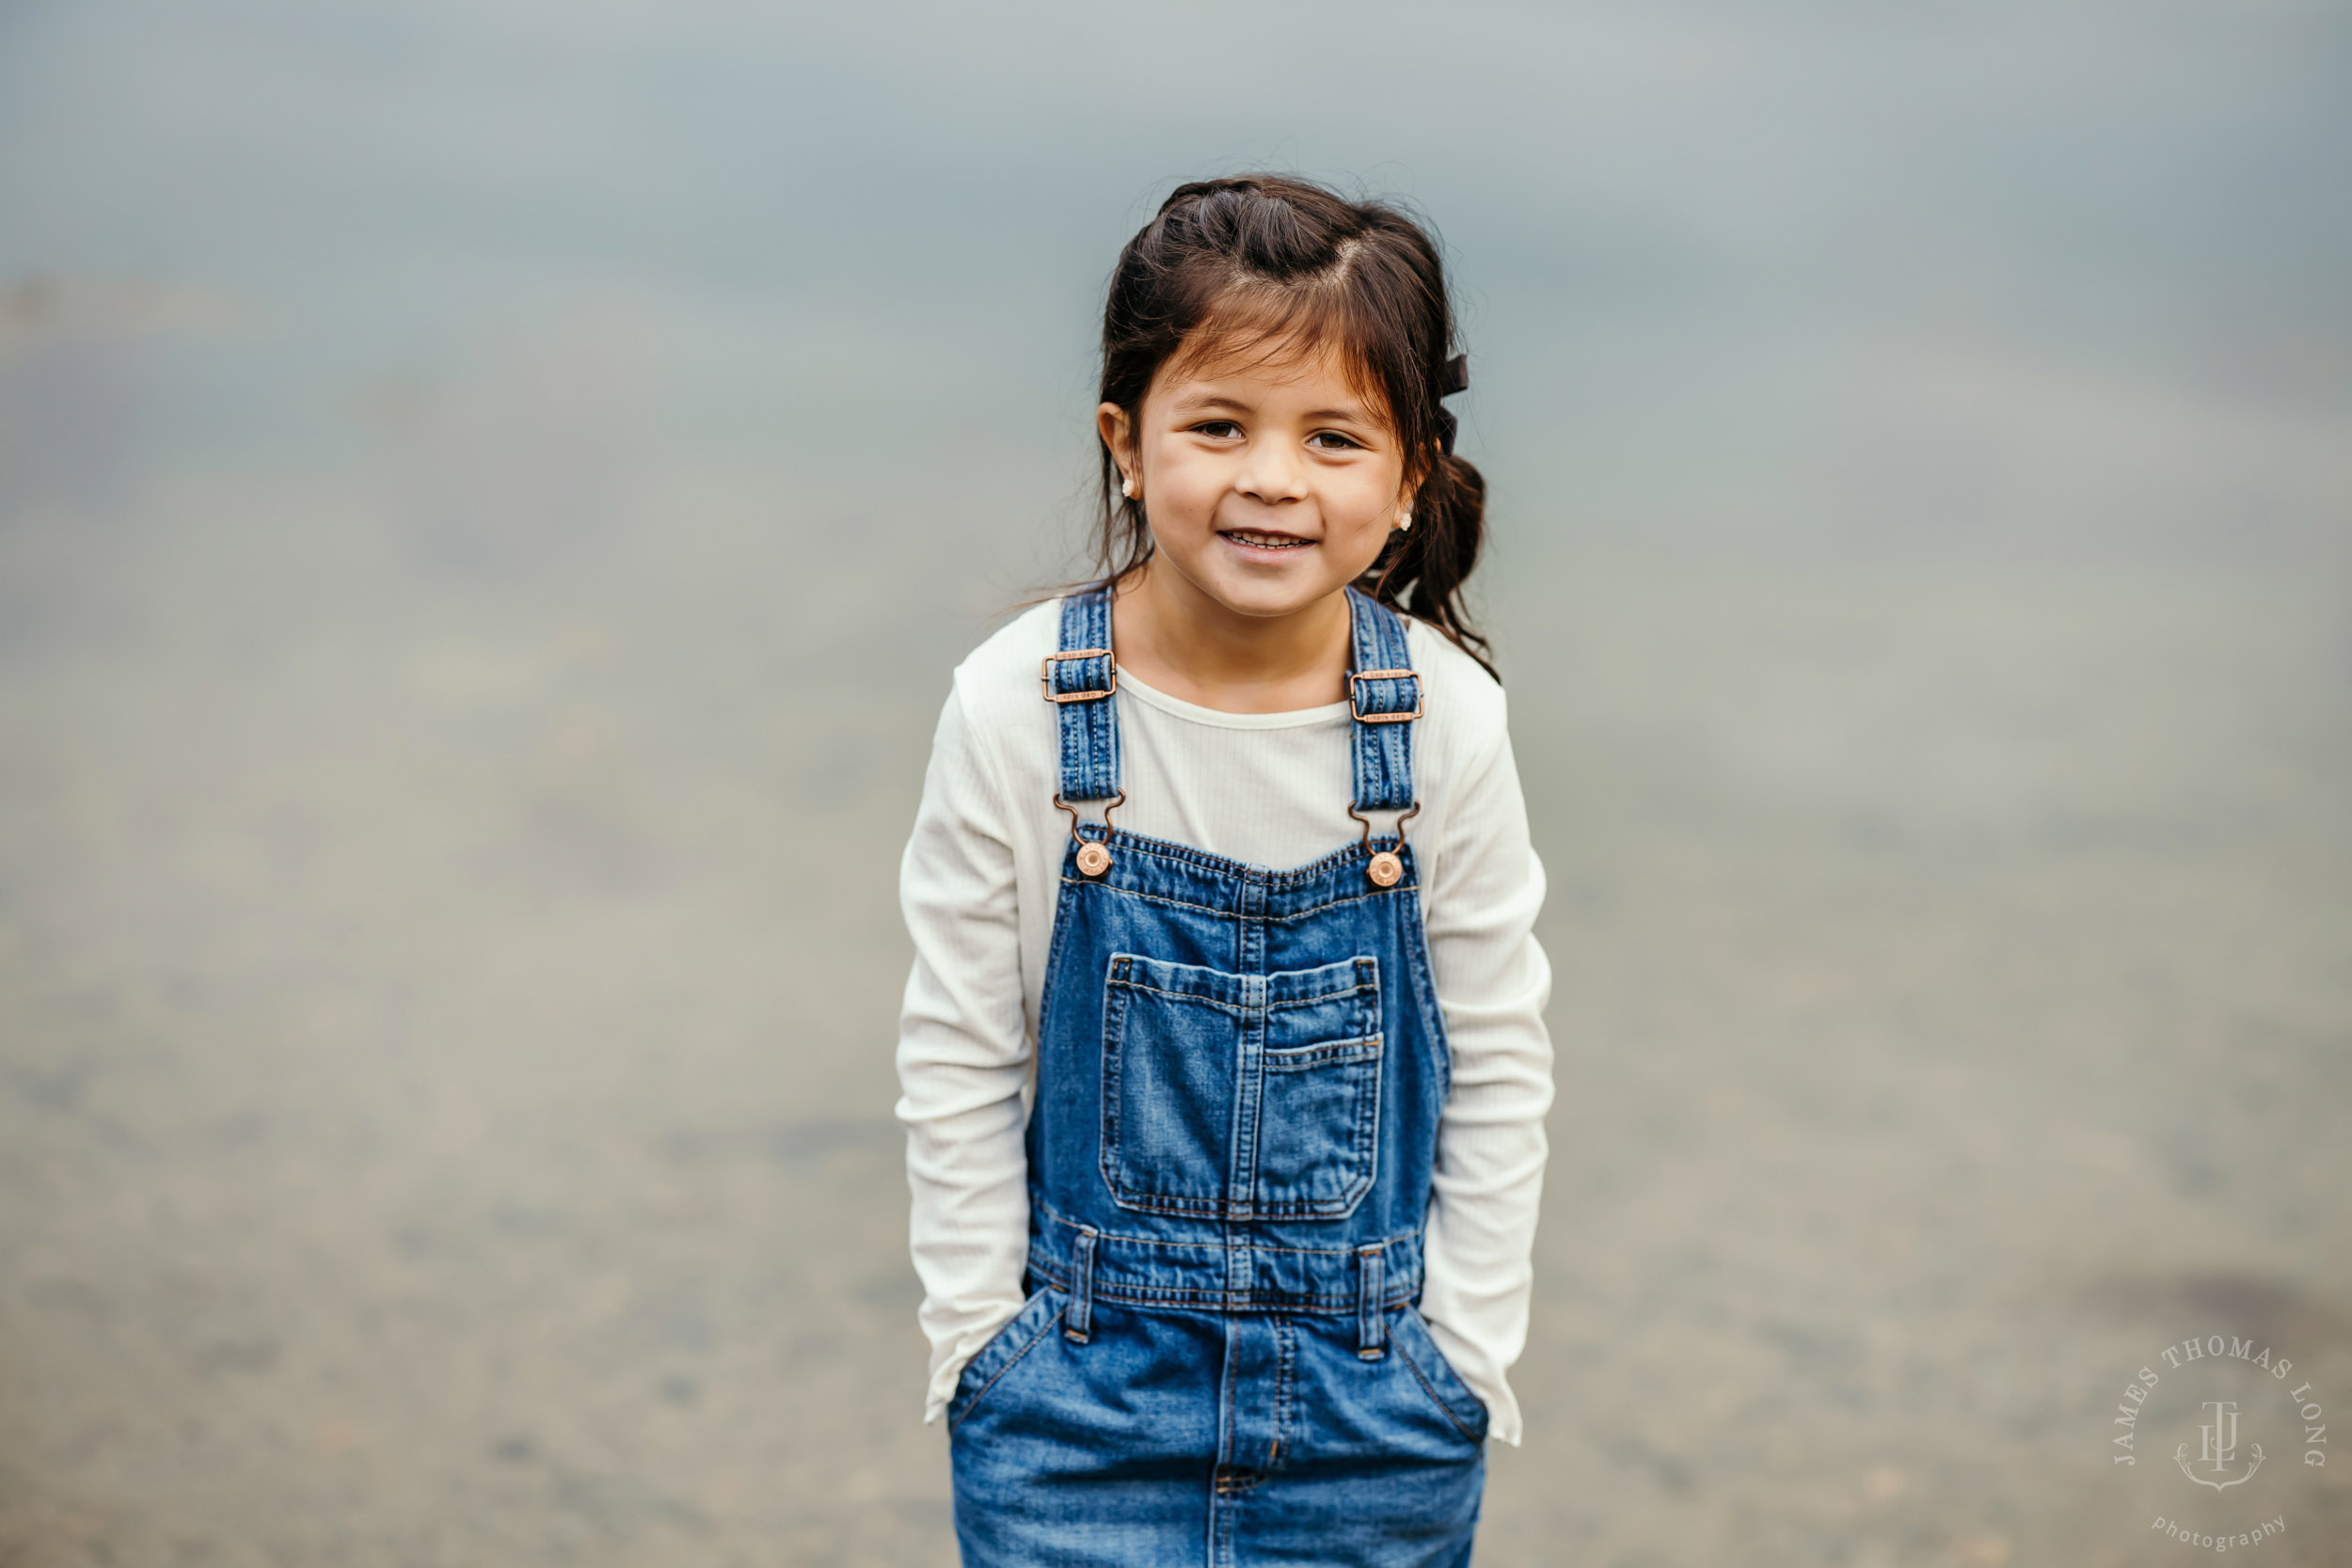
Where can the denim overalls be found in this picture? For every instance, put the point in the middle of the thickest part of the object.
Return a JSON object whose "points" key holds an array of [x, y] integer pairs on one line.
{"points": [[1239, 1077]]}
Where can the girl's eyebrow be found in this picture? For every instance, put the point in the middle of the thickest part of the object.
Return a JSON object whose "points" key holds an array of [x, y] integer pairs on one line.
{"points": [[1203, 401], [1197, 401]]}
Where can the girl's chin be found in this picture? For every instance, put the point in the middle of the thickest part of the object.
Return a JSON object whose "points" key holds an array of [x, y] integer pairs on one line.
{"points": [[1261, 594]]}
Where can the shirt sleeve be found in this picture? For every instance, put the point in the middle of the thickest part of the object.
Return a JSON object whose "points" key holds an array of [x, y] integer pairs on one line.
{"points": [[1492, 982], [963, 1056]]}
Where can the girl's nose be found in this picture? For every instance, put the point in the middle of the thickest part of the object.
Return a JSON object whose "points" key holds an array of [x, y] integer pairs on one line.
{"points": [[1271, 471]]}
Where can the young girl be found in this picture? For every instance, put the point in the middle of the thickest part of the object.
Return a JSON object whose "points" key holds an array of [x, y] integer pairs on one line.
{"points": [[1225, 1118]]}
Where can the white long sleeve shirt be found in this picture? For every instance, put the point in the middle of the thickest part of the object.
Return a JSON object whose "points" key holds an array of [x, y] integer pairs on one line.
{"points": [[977, 885]]}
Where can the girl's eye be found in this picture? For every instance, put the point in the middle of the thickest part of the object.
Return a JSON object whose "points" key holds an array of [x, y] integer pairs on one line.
{"points": [[1217, 429], [1337, 441]]}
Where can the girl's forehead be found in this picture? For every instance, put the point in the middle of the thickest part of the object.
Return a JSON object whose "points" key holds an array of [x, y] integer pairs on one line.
{"points": [[1268, 369]]}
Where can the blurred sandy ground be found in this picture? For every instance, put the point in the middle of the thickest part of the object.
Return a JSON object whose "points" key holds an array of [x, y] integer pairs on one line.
{"points": [[489, 499]]}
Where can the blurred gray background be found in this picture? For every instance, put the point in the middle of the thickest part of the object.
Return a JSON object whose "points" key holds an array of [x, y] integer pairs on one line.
{"points": [[490, 494]]}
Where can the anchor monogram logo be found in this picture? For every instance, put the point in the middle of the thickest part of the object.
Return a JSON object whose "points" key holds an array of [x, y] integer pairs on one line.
{"points": [[2219, 1449], [2232, 1380]]}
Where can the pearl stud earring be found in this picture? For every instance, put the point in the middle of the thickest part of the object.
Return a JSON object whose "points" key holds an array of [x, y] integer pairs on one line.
{"points": [[1127, 487], [1405, 519]]}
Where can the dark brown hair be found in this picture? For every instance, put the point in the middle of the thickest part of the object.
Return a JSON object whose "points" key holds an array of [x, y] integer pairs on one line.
{"points": [[1278, 265]]}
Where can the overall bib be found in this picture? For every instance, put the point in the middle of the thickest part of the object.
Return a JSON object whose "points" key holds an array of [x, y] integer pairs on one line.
{"points": [[1240, 1072]]}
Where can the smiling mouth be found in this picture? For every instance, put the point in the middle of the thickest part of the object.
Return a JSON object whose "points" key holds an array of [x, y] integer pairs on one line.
{"points": [[1256, 540]]}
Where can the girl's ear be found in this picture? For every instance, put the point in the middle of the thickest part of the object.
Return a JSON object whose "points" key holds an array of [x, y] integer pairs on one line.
{"points": [[1112, 424]]}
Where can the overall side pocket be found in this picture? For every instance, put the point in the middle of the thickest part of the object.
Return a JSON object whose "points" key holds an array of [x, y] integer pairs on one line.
{"points": [[1410, 1337], [1005, 1351]]}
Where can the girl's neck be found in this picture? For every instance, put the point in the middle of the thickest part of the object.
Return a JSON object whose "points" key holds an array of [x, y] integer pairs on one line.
{"points": [[1180, 640]]}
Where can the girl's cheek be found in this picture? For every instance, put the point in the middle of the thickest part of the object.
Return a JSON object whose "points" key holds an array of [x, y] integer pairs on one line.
{"points": [[1188, 499]]}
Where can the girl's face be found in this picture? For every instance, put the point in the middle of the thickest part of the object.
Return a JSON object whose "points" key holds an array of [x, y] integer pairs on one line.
{"points": [[1268, 487]]}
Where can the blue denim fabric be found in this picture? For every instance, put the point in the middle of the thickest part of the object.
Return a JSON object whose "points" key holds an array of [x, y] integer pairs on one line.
{"points": [[1239, 1079]]}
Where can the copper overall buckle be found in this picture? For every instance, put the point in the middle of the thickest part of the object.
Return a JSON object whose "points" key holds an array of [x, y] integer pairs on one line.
{"points": [[1356, 698], [1387, 867], [1094, 856], [1046, 675]]}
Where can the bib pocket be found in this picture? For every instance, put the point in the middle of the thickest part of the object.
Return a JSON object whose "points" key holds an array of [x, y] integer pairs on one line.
{"points": [[1240, 1097]]}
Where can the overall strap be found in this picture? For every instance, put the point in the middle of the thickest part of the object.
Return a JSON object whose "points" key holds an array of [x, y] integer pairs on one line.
{"points": [[1079, 681], [1385, 694]]}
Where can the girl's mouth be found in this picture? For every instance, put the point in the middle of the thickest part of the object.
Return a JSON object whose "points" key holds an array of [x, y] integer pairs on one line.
{"points": [[1259, 539]]}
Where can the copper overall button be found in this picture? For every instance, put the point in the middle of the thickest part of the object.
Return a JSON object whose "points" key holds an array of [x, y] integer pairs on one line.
{"points": [[1094, 860], [1385, 868]]}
